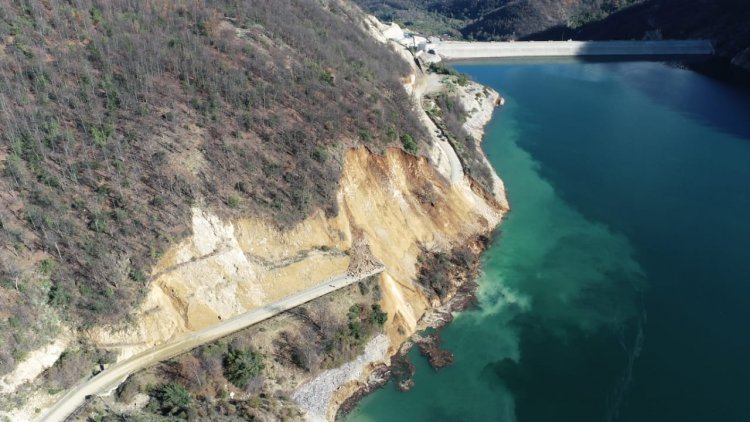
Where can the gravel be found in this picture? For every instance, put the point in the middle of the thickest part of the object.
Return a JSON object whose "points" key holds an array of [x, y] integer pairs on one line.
{"points": [[315, 396]]}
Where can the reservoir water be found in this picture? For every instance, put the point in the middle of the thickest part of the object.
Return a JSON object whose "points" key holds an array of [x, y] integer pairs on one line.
{"points": [[619, 286]]}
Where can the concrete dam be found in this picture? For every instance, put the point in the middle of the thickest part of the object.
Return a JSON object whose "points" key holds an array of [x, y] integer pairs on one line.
{"points": [[457, 50]]}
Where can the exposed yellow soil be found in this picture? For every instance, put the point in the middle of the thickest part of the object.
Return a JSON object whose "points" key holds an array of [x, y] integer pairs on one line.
{"points": [[226, 268]]}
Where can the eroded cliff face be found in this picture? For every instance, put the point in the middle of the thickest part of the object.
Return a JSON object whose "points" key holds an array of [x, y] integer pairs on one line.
{"points": [[391, 207], [402, 204], [395, 203]]}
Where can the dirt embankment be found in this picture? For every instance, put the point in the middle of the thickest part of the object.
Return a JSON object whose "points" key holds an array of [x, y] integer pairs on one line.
{"points": [[438, 208], [396, 203]]}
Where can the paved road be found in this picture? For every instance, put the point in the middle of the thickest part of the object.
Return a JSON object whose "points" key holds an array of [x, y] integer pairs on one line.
{"points": [[469, 50], [117, 373]]}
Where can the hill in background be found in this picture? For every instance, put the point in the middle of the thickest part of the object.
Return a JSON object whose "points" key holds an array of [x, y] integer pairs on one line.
{"points": [[491, 19], [725, 22]]}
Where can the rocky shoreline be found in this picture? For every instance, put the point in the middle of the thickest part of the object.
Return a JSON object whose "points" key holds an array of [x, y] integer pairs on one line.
{"points": [[376, 371], [315, 395], [401, 369]]}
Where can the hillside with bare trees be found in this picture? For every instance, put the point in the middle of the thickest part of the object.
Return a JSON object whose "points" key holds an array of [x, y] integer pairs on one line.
{"points": [[119, 116]]}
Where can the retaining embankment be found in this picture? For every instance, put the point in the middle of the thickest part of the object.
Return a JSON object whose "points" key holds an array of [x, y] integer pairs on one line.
{"points": [[476, 50]]}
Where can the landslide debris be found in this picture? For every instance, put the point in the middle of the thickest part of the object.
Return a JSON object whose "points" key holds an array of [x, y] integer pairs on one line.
{"points": [[119, 117]]}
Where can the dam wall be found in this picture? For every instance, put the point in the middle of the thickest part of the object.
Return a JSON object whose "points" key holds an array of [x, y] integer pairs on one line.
{"points": [[456, 50]]}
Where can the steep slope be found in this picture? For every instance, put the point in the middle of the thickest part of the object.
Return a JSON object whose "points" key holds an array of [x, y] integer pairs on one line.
{"points": [[170, 167], [396, 204], [118, 118], [397, 209]]}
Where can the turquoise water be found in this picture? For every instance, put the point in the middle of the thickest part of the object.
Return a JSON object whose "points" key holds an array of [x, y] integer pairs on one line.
{"points": [[619, 286]]}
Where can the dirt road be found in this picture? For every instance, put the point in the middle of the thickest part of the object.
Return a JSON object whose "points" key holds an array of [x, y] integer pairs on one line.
{"points": [[117, 373]]}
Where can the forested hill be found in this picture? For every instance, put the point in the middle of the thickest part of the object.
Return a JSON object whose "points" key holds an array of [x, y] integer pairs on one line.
{"points": [[515, 19], [118, 116], [725, 22], [492, 19]]}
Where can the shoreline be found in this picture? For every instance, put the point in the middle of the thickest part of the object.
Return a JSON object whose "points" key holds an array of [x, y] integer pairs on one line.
{"points": [[375, 371], [436, 319], [454, 212]]}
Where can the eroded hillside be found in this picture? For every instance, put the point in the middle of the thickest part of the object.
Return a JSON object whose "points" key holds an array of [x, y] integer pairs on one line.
{"points": [[170, 166], [395, 208], [396, 204], [119, 118]]}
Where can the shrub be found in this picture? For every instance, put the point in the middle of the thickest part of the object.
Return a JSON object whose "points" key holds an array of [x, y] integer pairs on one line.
{"points": [[46, 266], [241, 366], [435, 273], [441, 69], [378, 316], [365, 135], [59, 295], [302, 351], [320, 155], [391, 134], [233, 202], [409, 145], [101, 136], [136, 274], [327, 77], [99, 222], [170, 400], [69, 368]]}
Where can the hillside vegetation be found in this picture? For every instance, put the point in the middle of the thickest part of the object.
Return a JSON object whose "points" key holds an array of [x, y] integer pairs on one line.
{"points": [[118, 116]]}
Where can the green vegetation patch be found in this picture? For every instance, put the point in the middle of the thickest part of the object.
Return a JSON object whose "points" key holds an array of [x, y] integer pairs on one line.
{"points": [[241, 366], [171, 400]]}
